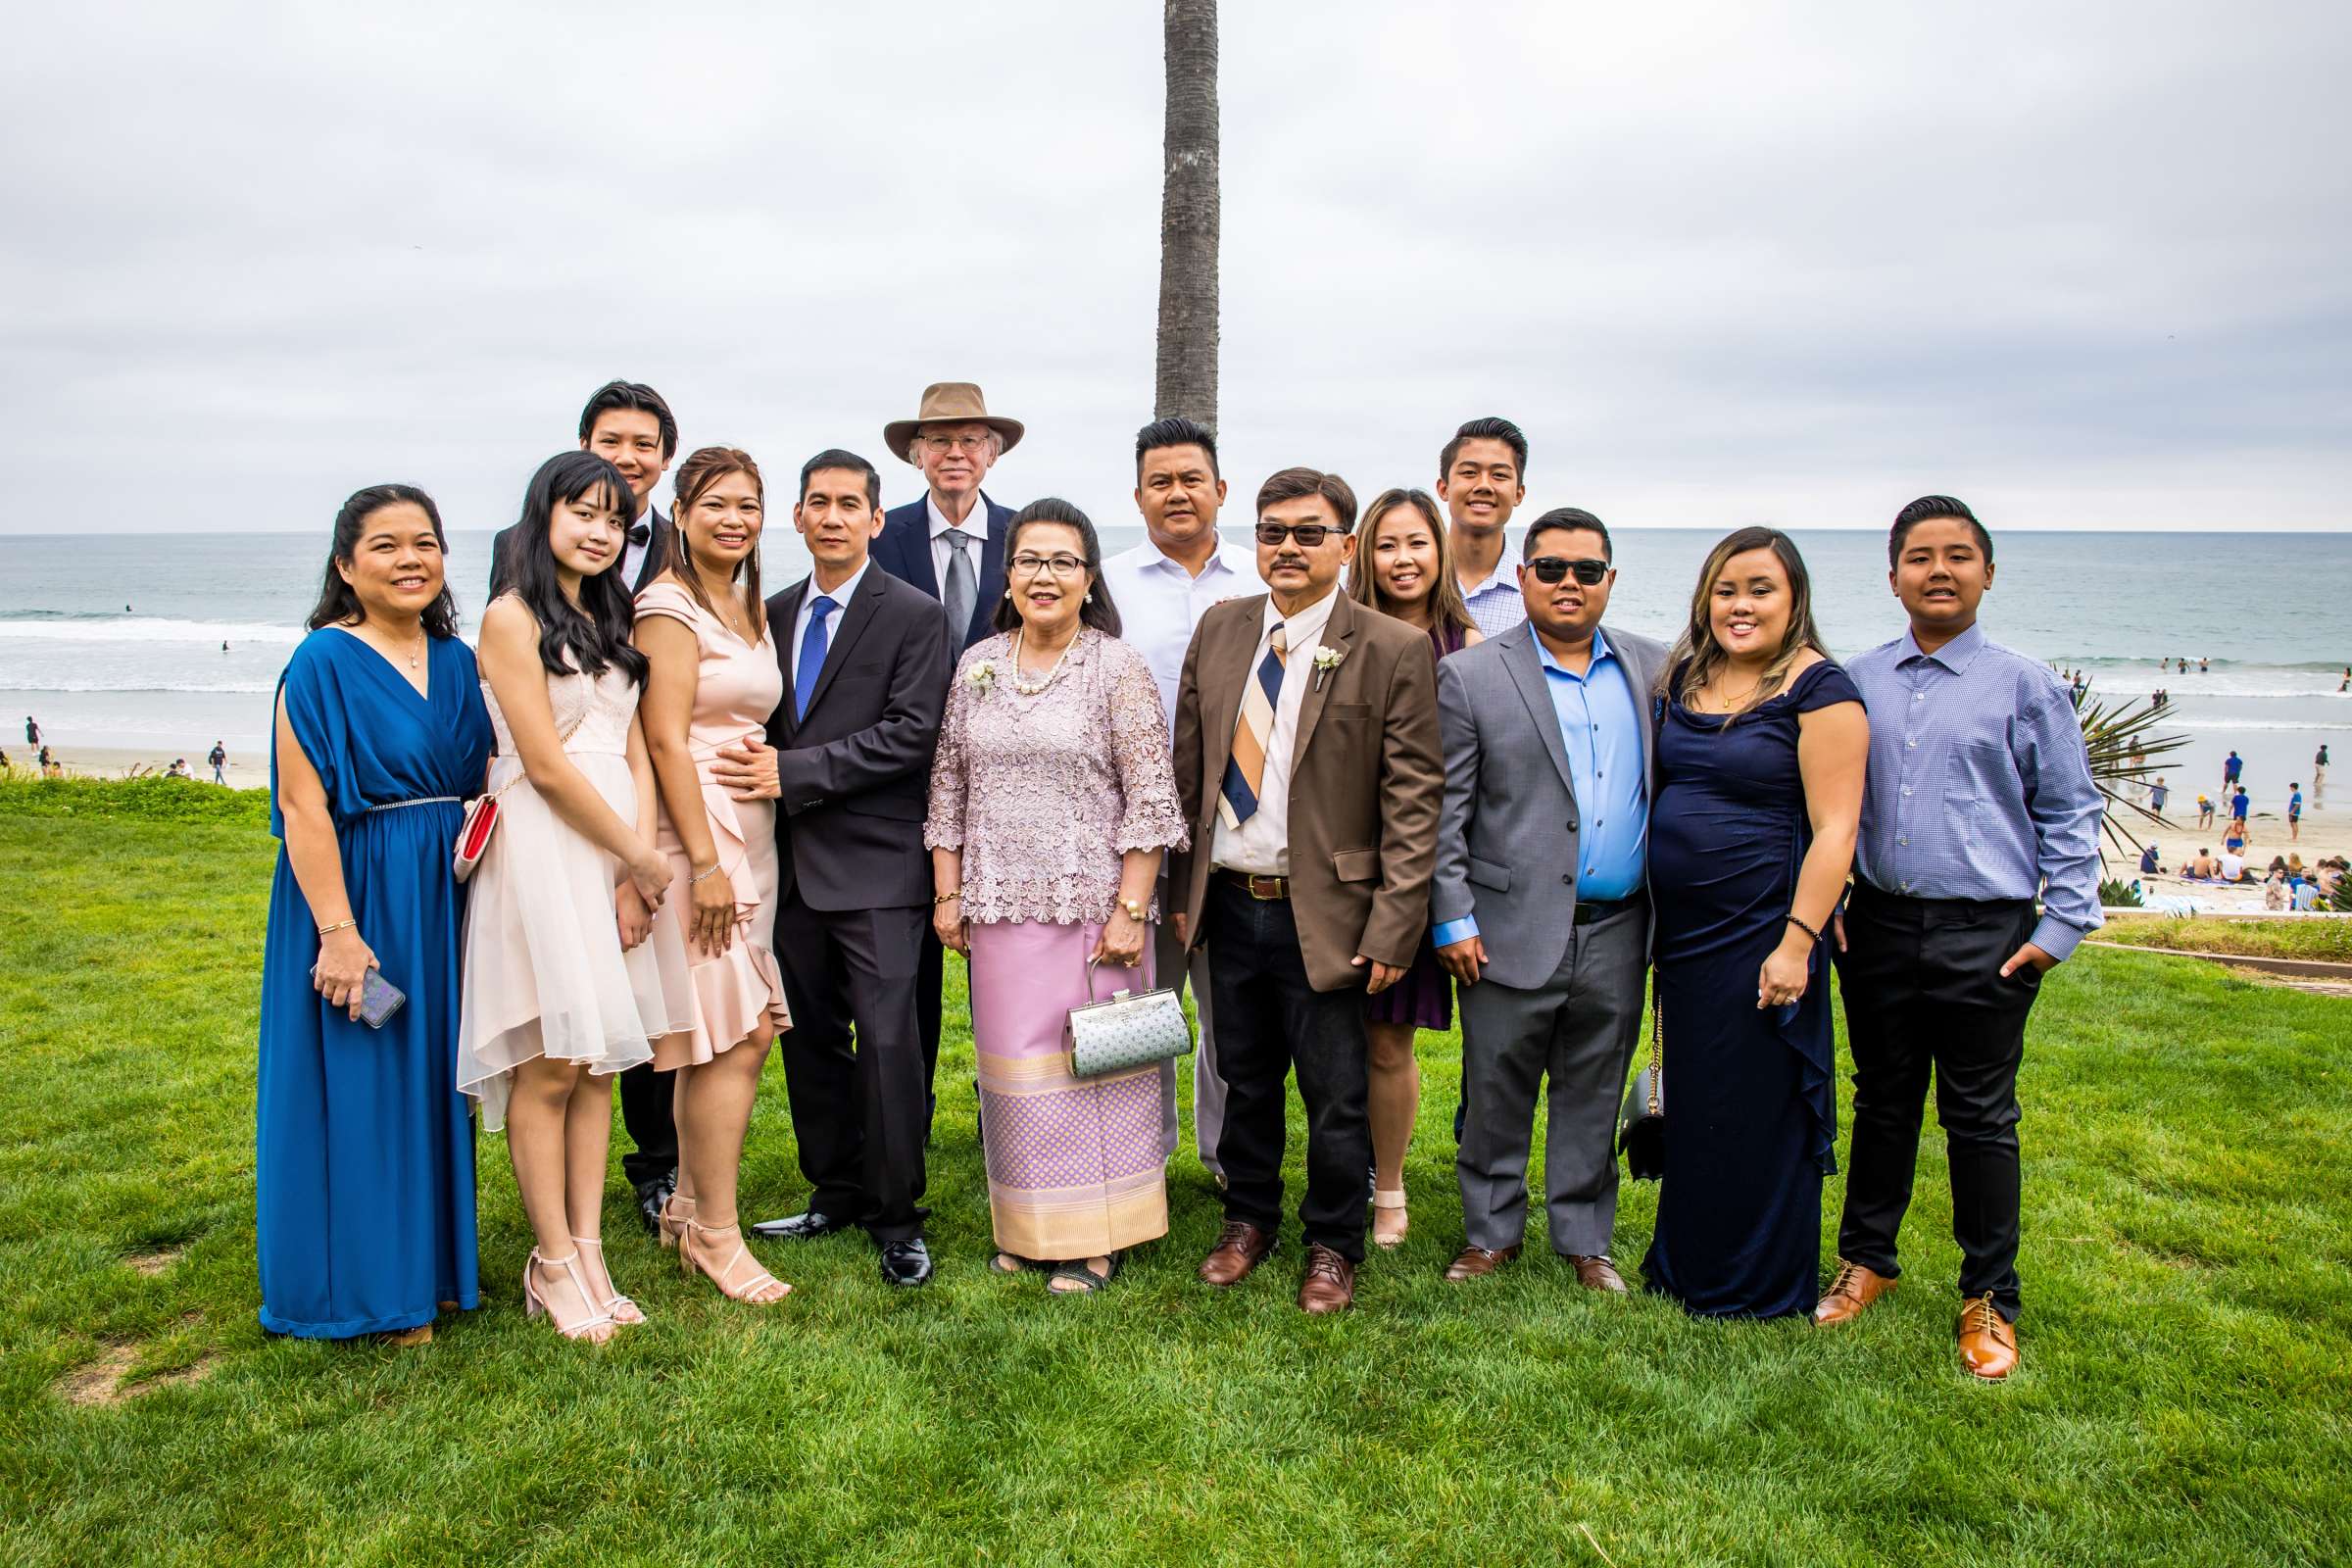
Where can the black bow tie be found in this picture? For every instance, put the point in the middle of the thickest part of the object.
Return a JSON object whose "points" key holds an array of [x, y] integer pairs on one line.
{"points": [[641, 533]]}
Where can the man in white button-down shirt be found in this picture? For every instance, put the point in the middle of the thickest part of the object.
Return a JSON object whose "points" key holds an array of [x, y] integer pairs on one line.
{"points": [[1482, 477], [1161, 586]]}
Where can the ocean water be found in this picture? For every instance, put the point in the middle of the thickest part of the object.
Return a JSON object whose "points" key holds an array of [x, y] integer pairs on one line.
{"points": [[118, 639]]}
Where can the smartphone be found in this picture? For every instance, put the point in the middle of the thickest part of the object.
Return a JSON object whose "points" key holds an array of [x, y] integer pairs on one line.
{"points": [[379, 998]]}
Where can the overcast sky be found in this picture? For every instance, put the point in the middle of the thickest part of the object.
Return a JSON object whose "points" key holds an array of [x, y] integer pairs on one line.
{"points": [[2086, 264]]}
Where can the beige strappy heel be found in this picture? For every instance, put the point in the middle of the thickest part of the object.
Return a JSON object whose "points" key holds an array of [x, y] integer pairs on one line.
{"points": [[1385, 1203], [533, 1304], [752, 1292], [673, 1224], [625, 1312]]}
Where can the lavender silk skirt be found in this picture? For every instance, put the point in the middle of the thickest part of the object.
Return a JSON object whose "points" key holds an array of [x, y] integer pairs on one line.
{"points": [[1076, 1168]]}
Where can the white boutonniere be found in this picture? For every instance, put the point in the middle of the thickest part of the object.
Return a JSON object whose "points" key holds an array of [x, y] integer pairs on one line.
{"points": [[982, 676], [1327, 659]]}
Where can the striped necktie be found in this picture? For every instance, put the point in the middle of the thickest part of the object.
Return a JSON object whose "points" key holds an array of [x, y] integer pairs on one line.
{"points": [[1253, 733]]}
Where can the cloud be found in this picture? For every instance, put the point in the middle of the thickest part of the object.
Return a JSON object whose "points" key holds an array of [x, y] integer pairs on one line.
{"points": [[1724, 262]]}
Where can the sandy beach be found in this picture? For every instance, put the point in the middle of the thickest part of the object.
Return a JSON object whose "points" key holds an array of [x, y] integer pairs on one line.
{"points": [[2326, 832], [248, 771]]}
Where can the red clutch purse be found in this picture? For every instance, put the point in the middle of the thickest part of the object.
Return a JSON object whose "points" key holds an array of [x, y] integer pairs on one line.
{"points": [[473, 835]]}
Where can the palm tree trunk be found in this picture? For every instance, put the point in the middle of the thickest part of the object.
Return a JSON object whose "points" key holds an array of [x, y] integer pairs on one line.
{"points": [[1186, 383]]}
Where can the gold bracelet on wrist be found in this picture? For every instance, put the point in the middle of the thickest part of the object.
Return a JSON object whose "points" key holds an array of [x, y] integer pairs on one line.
{"points": [[339, 925], [946, 897]]}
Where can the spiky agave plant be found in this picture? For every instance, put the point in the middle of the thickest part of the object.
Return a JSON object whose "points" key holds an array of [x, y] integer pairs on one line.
{"points": [[2124, 755]]}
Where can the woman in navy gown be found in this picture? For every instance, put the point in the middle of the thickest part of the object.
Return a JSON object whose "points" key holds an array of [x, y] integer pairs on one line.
{"points": [[1760, 755], [364, 1167]]}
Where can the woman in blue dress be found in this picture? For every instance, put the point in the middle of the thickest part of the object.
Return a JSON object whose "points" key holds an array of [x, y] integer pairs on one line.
{"points": [[1760, 755], [364, 1158]]}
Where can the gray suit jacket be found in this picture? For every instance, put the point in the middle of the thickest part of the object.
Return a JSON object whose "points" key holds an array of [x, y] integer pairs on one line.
{"points": [[1507, 829]]}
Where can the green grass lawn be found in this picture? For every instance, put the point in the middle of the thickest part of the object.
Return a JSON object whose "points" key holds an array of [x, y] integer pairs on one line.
{"points": [[2327, 940], [2186, 1395]]}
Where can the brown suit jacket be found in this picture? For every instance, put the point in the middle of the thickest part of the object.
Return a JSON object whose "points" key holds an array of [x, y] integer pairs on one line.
{"points": [[1365, 781]]}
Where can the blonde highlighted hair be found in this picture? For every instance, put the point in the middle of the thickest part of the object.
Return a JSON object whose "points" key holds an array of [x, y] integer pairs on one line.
{"points": [[705, 468], [1697, 656], [1446, 610]]}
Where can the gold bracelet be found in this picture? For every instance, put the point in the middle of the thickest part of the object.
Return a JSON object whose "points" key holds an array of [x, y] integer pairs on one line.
{"points": [[946, 897], [339, 925]]}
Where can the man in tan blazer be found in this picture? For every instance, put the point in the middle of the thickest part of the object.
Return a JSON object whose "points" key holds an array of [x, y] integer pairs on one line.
{"points": [[1308, 760]]}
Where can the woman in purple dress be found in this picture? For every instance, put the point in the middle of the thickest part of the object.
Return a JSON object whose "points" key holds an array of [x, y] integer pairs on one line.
{"points": [[1405, 569], [1052, 799]]}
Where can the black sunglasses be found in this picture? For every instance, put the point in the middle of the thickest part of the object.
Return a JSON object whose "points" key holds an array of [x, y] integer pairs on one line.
{"points": [[1551, 568], [1310, 535]]}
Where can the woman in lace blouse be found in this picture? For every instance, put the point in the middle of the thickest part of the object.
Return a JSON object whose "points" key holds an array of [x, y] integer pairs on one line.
{"points": [[1052, 799]]}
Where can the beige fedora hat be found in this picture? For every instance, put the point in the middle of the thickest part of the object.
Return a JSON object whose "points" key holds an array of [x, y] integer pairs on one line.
{"points": [[947, 403]]}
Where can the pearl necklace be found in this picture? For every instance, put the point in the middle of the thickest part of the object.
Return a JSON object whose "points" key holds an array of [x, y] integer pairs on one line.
{"points": [[1020, 683]]}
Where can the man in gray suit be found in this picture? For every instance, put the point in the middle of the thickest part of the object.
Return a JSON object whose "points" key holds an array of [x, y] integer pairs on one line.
{"points": [[1540, 900]]}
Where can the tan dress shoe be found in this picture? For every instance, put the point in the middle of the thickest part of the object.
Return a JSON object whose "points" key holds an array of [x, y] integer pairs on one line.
{"points": [[1597, 1273], [1329, 1284], [1472, 1263], [1240, 1248], [1851, 1290], [1988, 1340]]}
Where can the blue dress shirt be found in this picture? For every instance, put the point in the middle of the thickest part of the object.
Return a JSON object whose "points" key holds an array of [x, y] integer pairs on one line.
{"points": [[1978, 786], [1602, 731]]}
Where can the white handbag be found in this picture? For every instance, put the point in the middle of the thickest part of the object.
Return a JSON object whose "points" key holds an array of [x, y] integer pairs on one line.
{"points": [[1130, 1030]]}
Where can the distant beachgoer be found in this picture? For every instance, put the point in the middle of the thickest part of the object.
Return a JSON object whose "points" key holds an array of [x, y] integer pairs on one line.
{"points": [[2231, 766], [219, 757], [224, 646], [2273, 891], [2138, 762], [33, 734], [2233, 864], [2306, 895], [2294, 812], [2204, 810], [2240, 808], [2149, 864], [2204, 667], [2158, 794], [50, 766], [4, 764], [2318, 777], [2203, 868]]}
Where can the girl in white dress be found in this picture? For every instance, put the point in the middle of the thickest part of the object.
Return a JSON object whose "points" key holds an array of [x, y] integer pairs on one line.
{"points": [[564, 985]]}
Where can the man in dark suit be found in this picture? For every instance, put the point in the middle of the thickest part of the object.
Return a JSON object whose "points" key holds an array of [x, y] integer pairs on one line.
{"points": [[949, 544], [1307, 758], [627, 424], [866, 660]]}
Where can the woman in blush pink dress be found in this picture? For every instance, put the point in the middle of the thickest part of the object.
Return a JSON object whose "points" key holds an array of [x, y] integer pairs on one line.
{"points": [[714, 682]]}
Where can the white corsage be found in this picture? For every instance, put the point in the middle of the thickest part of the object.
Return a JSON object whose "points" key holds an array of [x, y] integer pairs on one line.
{"points": [[1327, 659], [982, 676]]}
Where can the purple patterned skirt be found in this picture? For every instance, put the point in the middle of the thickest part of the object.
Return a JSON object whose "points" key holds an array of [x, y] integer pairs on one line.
{"points": [[1076, 1166], [1423, 998]]}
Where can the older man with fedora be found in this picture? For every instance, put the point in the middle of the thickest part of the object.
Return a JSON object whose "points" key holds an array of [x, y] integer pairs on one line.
{"points": [[950, 544]]}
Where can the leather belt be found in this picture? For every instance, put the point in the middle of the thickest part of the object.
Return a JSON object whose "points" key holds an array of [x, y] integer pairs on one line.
{"points": [[1588, 911], [1265, 889]]}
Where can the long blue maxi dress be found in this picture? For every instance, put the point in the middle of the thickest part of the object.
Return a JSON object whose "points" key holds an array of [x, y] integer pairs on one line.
{"points": [[363, 1153], [1751, 1103]]}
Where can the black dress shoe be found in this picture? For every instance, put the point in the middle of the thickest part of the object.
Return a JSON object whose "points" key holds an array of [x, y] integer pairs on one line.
{"points": [[801, 1227], [907, 1262], [650, 1195]]}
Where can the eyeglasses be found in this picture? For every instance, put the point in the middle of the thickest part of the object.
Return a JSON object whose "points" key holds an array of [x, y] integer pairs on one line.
{"points": [[1061, 566], [1551, 568], [949, 443], [1310, 535]]}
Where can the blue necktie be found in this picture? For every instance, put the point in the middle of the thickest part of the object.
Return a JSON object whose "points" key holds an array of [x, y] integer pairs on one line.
{"points": [[812, 657]]}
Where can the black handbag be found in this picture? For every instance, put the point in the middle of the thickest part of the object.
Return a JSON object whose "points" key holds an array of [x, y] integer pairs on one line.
{"points": [[1642, 1124]]}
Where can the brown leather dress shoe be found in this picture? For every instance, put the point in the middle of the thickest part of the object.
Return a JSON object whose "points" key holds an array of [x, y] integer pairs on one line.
{"points": [[1851, 1290], [1474, 1261], [1329, 1284], [1597, 1273], [1240, 1247], [1988, 1340]]}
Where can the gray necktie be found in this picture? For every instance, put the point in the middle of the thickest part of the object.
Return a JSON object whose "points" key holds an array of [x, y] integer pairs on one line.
{"points": [[962, 591]]}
